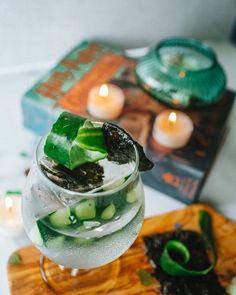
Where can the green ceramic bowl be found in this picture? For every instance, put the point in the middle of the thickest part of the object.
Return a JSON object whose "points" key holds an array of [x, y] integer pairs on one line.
{"points": [[182, 73]]}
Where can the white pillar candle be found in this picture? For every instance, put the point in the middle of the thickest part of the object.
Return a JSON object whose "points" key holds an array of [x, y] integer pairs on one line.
{"points": [[106, 102], [172, 129], [11, 224]]}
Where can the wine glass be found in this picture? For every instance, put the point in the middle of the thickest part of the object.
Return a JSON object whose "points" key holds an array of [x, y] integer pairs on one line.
{"points": [[82, 235]]}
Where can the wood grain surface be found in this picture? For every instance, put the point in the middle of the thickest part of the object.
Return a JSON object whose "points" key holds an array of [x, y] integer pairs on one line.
{"points": [[120, 277]]}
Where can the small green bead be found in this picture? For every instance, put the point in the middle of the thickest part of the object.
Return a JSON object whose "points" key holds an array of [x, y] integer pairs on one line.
{"points": [[60, 218], [86, 210], [131, 197], [108, 212]]}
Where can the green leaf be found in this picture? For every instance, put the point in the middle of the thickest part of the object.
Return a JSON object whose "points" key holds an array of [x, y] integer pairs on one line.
{"points": [[205, 223], [61, 144], [15, 259], [14, 193], [91, 139], [145, 277], [176, 248], [24, 154]]}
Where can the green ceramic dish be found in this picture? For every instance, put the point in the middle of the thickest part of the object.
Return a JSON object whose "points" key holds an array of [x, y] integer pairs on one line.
{"points": [[182, 73]]}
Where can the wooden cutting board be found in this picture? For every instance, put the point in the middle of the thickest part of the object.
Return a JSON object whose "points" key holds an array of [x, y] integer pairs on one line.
{"points": [[25, 279]]}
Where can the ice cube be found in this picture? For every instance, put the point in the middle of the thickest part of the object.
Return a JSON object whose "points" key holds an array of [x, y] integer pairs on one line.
{"points": [[44, 200]]}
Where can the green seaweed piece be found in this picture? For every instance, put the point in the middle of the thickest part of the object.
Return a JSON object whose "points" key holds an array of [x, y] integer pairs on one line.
{"points": [[86, 177], [24, 154], [145, 277], [15, 259], [120, 147]]}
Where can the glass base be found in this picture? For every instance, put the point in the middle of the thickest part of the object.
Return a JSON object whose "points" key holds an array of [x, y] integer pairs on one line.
{"points": [[89, 281]]}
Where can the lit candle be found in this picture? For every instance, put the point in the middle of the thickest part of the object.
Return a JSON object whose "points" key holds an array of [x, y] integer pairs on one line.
{"points": [[11, 224], [172, 129], [106, 102]]}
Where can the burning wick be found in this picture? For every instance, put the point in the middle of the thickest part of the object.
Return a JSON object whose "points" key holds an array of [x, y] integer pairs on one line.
{"points": [[103, 91], [105, 101], [11, 224], [172, 118], [9, 203], [172, 131]]}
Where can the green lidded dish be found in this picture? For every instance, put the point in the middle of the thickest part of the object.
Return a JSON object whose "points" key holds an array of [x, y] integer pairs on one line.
{"points": [[182, 73]]}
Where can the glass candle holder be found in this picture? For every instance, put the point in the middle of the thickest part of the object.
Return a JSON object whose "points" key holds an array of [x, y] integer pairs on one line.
{"points": [[182, 73]]}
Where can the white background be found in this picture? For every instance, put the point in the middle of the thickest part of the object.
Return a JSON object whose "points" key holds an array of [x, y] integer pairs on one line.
{"points": [[40, 30]]}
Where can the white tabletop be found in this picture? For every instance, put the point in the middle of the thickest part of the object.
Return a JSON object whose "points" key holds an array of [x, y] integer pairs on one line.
{"points": [[219, 190]]}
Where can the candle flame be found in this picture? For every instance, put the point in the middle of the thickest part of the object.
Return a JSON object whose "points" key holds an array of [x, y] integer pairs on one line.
{"points": [[103, 90], [8, 203], [172, 117]]}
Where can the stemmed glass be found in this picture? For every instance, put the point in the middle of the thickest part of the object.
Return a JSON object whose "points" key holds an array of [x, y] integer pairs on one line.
{"points": [[82, 235]]}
